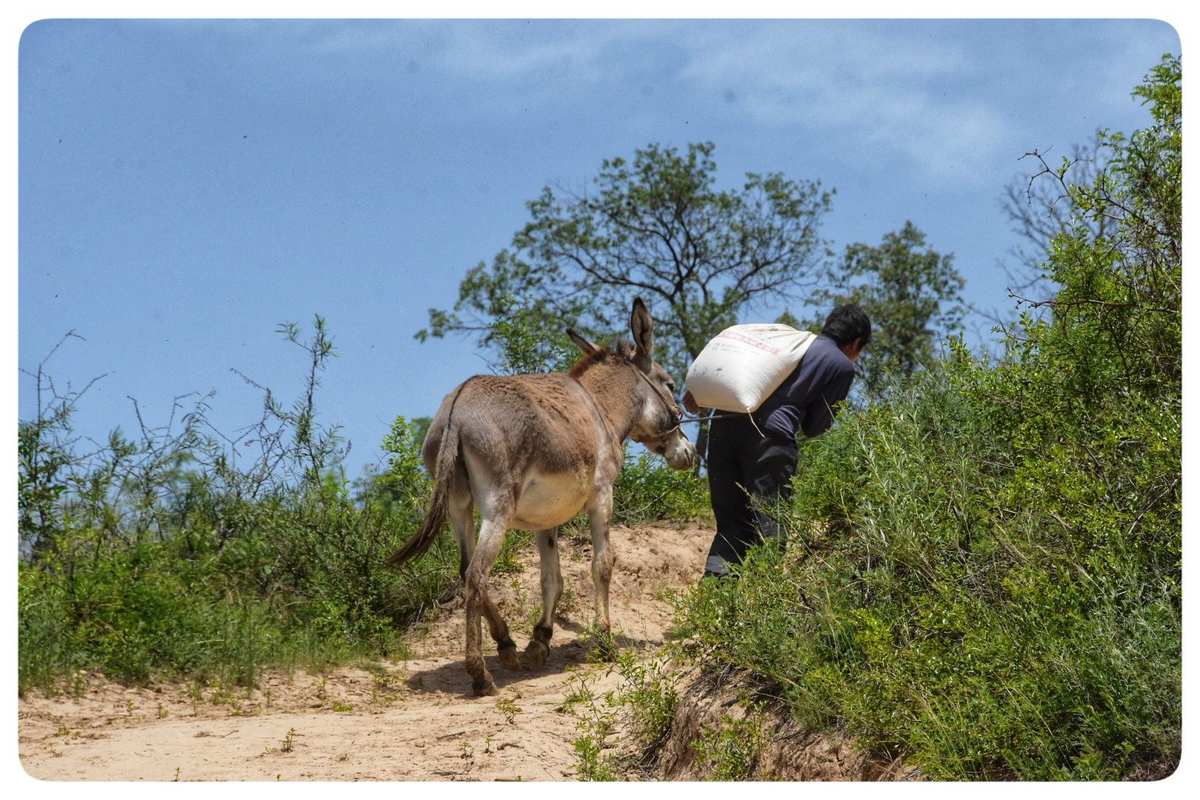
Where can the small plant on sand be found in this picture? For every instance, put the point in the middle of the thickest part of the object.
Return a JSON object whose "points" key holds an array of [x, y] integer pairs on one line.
{"points": [[384, 688], [596, 721], [568, 603], [642, 706], [593, 765], [196, 694], [648, 697], [601, 644], [517, 605], [728, 750], [509, 708], [508, 562], [580, 693], [288, 743]]}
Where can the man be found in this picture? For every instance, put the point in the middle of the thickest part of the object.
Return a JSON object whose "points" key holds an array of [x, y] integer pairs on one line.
{"points": [[745, 461]]}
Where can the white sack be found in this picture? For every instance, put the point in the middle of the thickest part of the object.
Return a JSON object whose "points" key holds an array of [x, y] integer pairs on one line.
{"points": [[743, 364]]}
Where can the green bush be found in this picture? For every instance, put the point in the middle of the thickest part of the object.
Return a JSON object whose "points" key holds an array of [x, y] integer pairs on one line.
{"points": [[307, 585], [642, 707], [728, 750], [648, 696], [165, 558], [984, 574], [993, 610], [647, 490]]}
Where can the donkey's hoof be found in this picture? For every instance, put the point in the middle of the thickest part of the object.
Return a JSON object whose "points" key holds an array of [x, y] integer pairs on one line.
{"points": [[535, 655], [483, 687], [508, 657]]}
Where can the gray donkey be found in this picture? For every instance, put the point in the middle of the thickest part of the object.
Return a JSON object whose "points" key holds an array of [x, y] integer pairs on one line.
{"points": [[531, 452]]}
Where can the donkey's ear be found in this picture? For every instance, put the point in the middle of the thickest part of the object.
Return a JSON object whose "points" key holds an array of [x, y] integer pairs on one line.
{"points": [[583, 344], [641, 325]]}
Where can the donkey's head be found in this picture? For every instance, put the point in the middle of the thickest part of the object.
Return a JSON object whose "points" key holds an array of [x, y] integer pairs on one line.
{"points": [[656, 422]]}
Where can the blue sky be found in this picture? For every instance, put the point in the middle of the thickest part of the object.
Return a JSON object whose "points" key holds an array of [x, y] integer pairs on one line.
{"points": [[185, 186]]}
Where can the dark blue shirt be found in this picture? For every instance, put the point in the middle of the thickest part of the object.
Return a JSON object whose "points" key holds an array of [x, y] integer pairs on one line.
{"points": [[805, 399]]}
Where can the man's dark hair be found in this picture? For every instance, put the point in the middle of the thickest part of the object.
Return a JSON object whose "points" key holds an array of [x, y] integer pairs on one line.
{"points": [[847, 323]]}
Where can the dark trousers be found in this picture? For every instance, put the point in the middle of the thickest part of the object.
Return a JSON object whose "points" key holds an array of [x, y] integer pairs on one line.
{"points": [[742, 465]]}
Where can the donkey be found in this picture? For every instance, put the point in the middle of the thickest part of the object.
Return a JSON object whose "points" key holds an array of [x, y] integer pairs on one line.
{"points": [[532, 451]]}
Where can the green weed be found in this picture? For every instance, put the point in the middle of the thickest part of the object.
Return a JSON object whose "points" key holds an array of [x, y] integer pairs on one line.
{"points": [[728, 750]]}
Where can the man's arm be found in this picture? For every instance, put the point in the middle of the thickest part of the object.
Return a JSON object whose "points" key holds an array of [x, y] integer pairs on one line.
{"points": [[819, 415]]}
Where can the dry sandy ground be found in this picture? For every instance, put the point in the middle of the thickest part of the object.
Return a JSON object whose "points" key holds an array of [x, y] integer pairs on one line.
{"points": [[402, 720]]}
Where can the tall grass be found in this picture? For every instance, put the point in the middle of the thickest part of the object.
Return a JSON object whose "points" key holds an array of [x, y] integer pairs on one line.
{"points": [[984, 573], [988, 619]]}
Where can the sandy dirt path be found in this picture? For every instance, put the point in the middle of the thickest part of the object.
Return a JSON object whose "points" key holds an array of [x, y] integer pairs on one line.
{"points": [[401, 720]]}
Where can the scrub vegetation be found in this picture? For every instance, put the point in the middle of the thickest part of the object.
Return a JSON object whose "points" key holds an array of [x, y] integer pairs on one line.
{"points": [[983, 572], [186, 552]]}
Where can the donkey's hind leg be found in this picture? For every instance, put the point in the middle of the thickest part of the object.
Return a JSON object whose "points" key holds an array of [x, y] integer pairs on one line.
{"points": [[539, 646], [491, 536], [506, 648], [462, 518]]}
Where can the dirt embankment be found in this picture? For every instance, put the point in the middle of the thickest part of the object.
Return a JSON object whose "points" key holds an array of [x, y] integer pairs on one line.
{"points": [[402, 720], [784, 750]]}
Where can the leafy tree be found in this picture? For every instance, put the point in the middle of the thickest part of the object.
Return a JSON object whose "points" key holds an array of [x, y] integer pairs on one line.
{"points": [[786, 317], [1118, 260], [404, 478], [525, 344], [911, 292], [656, 226]]}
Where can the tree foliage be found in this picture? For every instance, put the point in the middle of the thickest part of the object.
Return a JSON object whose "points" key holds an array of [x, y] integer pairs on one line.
{"points": [[1118, 260], [655, 226], [912, 294], [525, 341]]}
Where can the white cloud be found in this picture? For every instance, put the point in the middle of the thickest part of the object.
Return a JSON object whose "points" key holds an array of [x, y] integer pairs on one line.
{"points": [[943, 97], [479, 53], [497, 51], [893, 91]]}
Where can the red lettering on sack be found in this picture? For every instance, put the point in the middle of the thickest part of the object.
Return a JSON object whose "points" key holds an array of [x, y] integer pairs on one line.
{"points": [[741, 337]]}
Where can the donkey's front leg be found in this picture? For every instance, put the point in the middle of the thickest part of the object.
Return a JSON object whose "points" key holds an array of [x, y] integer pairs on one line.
{"points": [[539, 646], [603, 560]]}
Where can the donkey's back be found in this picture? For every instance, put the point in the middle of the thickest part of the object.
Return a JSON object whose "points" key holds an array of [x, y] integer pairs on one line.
{"points": [[510, 428]]}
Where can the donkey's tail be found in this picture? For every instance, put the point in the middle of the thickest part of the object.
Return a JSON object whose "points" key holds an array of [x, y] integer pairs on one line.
{"points": [[435, 518]]}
